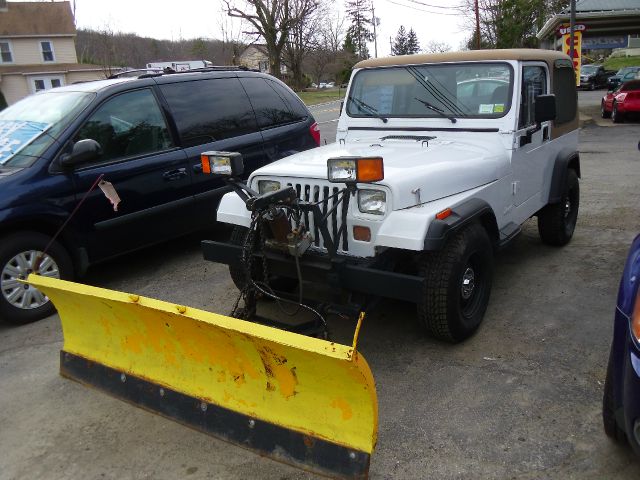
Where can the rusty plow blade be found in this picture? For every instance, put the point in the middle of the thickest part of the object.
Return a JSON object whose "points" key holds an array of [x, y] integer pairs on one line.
{"points": [[300, 400]]}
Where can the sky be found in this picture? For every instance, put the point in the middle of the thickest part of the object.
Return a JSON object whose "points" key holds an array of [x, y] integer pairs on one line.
{"points": [[432, 20]]}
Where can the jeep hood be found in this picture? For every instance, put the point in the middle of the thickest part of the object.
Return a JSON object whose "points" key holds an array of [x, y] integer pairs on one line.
{"points": [[439, 167]]}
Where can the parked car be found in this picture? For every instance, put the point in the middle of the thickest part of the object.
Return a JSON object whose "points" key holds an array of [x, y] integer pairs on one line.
{"points": [[594, 76], [621, 400], [623, 75], [142, 135], [621, 102]]}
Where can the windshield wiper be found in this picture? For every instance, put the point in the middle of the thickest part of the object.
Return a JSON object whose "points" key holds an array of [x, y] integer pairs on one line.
{"points": [[437, 110], [365, 106]]}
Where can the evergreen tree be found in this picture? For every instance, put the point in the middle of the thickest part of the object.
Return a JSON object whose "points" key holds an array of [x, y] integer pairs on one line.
{"points": [[399, 46], [413, 46], [359, 11]]}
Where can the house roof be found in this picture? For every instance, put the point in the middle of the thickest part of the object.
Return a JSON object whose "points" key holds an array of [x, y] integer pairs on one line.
{"points": [[622, 14], [49, 68], [36, 19], [604, 5]]}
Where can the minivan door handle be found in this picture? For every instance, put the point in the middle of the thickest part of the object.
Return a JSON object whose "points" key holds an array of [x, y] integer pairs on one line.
{"points": [[175, 174]]}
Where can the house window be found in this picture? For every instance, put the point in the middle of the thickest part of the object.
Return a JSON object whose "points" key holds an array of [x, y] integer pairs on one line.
{"points": [[263, 66], [45, 83], [5, 53], [47, 51]]}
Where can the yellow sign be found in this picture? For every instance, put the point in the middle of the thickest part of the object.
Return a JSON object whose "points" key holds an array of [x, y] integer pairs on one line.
{"points": [[577, 56]]}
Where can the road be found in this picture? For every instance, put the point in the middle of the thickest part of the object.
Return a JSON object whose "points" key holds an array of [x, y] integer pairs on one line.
{"points": [[326, 116], [519, 400]]}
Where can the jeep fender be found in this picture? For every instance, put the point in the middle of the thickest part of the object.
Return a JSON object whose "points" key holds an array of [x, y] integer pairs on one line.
{"points": [[472, 210], [566, 159], [233, 210]]}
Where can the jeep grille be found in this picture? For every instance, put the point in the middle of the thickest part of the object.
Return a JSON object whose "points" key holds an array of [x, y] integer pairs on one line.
{"points": [[320, 191]]}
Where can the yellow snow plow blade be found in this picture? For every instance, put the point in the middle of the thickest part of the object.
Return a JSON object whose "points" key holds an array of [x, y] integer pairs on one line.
{"points": [[301, 400]]}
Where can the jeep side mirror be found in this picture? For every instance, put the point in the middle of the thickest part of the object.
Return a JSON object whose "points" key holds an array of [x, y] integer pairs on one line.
{"points": [[545, 108], [83, 151]]}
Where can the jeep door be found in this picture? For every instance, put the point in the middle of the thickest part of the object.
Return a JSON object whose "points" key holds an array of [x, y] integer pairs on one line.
{"points": [[149, 173], [532, 144], [213, 114]]}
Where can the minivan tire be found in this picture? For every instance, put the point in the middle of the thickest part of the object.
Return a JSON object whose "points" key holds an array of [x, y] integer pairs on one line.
{"points": [[21, 304]]}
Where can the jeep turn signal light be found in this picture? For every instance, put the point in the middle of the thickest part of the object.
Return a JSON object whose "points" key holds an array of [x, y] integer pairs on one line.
{"points": [[361, 233], [222, 163], [444, 214], [355, 169]]}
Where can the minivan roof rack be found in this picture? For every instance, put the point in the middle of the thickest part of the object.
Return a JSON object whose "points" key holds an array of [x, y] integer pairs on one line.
{"points": [[155, 72], [145, 70]]}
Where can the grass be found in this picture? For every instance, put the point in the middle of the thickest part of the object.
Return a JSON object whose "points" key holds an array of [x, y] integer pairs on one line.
{"points": [[321, 96], [616, 63]]}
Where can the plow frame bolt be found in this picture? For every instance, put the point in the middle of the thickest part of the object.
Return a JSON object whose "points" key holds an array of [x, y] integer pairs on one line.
{"points": [[203, 406], [123, 377], [252, 423]]}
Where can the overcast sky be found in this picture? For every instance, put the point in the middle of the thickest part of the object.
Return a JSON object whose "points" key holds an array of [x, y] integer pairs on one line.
{"points": [[164, 19]]}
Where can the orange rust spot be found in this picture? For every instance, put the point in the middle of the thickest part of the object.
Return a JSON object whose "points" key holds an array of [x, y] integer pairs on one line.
{"points": [[342, 404], [309, 442]]}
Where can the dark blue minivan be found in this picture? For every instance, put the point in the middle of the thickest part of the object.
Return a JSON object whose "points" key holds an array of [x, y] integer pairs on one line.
{"points": [[141, 139], [621, 402]]}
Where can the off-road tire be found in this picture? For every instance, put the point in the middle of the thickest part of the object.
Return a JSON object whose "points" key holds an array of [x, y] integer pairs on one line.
{"points": [[444, 312], [27, 243], [237, 271], [611, 427], [557, 221], [603, 111], [239, 274], [616, 116]]}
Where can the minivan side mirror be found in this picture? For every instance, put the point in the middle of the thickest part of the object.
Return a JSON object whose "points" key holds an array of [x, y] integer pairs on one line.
{"points": [[545, 108], [83, 151]]}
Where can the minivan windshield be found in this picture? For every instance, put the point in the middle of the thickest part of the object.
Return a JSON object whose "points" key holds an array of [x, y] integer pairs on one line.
{"points": [[31, 125], [451, 91]]}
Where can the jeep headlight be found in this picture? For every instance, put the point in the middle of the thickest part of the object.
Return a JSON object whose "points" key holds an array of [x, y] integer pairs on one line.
{"points": [[355, 169], [222, 163], [372, 201], [266, 186]]}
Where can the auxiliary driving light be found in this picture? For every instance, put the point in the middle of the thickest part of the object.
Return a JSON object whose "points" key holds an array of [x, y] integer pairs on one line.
{"points": [[355, 169], [222, 163]]}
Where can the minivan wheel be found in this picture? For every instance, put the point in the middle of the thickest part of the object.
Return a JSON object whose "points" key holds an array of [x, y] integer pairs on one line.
{"points": [[21, 303], [457, 285]]}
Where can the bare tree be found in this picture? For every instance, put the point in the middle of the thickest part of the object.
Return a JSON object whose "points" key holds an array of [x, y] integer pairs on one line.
{"points": [[437, 47], [234, 40], [273, 21], [326, 52]]}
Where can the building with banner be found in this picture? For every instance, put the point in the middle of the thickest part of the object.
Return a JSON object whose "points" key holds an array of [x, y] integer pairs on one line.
{"points": [[605, 25]]}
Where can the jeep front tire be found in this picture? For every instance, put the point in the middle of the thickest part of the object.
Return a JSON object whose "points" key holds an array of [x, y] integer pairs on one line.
{"points": [[457, 285]]}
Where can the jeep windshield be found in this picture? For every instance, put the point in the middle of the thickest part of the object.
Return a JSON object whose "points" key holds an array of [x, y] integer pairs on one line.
{"points": [[451, 91], [31, 125]]}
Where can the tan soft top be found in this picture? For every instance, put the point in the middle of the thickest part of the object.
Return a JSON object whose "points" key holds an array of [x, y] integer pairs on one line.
{"points": [[466, 56]]}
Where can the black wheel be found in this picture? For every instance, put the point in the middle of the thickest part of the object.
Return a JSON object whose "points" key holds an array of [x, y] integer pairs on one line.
{"points": [[19, 303], [616, 116], [239, 274], [457, 285], [592, 86], [557, 222], [603, 111], [608, 409]]}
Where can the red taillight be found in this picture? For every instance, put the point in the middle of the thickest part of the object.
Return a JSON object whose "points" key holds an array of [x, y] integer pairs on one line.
{"points": [[315, 133]]}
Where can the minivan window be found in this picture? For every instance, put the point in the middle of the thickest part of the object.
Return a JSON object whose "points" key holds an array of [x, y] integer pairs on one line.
{"points": [[209, 110], [127, 125], [271, 109], [41, 118], [297, 108]]}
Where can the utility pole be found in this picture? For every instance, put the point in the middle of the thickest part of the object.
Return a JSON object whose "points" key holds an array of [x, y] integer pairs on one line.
{"points": [[477, 26], [375, 36], [572, 27]]}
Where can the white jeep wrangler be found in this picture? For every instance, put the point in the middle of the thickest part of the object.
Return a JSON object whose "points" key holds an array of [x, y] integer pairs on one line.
{"points": [[439, 160]]}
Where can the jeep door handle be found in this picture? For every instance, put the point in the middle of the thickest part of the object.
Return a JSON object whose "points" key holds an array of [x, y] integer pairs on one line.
{"points": [[175, 174]]}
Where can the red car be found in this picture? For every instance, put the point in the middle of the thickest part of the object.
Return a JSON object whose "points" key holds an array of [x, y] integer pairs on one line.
{"points": [[622, 101]]}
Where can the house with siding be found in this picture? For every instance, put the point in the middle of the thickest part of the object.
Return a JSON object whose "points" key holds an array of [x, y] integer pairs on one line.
{"points": [[37, 49], [256, 57]]}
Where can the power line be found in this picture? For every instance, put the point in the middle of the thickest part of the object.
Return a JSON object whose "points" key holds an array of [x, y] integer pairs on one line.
{"points": [[454, 7], [423, 10]]}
